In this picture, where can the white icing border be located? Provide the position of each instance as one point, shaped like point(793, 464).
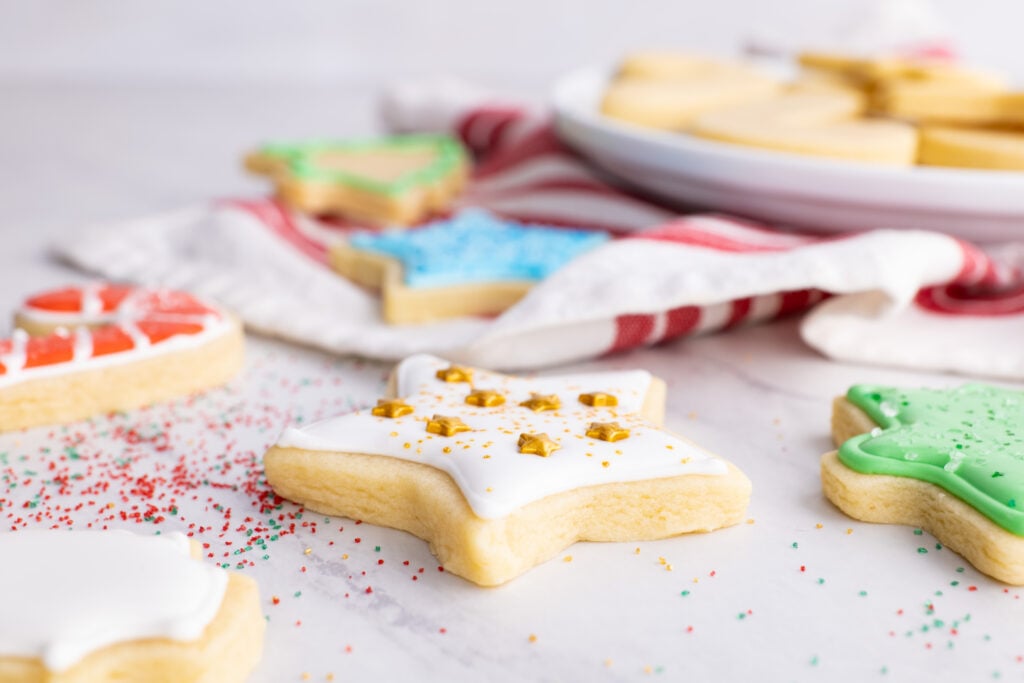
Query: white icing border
point(497, 486)
point(67, 594)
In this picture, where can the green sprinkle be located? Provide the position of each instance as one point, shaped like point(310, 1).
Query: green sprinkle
point(821, 581)
point(376, 548)
point(863, 594)
point(922, 550)
point(814, 660)
point(298, 594)
point(685, 593)
point(918, 532)
point(795, 545)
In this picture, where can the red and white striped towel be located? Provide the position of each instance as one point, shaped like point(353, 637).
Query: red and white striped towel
point(909, 298)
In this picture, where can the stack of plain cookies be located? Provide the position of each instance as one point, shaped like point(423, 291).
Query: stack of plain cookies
point(885, 110)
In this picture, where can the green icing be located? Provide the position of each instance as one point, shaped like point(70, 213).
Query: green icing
point(968, 440)
point(301, 158)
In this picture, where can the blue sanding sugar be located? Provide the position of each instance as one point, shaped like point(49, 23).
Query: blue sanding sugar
point(476, 246)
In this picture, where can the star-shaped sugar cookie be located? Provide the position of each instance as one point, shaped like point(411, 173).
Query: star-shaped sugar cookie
point(472, 263)
point(397, 180)
point(950, 461)
point(508, 487)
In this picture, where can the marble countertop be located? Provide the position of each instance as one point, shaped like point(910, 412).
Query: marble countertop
point(798, 592)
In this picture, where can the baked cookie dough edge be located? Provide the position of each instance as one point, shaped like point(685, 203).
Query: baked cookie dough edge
point(227, 652)
point(888, 499)
point(426, 502)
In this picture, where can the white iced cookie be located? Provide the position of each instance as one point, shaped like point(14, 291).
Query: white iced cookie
point(106, 606)
point(825, 124)
point(499, 473)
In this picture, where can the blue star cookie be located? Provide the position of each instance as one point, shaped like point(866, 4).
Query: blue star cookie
point(471, 264)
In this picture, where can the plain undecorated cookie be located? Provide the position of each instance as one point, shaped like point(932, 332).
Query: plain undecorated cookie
point(669, 90)
point(825, 123)
point(970, 148)
point(948, 103)
point(870, 72)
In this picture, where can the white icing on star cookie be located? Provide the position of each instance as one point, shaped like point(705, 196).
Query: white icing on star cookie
point(65, 595)
point(486, 464)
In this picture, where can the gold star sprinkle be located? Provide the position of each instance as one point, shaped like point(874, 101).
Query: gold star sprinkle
point(537, 444)
point(456, 373)
point(446, 426)
point(599, 399)
point(607, 431)
point(485, 398)
point(391, 407)
point(539, 402)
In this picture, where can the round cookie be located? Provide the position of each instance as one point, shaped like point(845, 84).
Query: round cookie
point(666, 65)
point(942, 102)
point(872, 71)
point(825, 123)
point(674, 104)
point(116, 607)
point(971, 148)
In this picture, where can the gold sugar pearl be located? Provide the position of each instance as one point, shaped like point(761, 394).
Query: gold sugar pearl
point(537, 444)
point(485, 398)
point(607, 431)
point(599, 399)
point(391, 407)
point(539, 402)
point(446, 426)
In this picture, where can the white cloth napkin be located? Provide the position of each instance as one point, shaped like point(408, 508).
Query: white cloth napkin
point(892, 292)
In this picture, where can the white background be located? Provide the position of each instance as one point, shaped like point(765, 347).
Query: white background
point(366, 42)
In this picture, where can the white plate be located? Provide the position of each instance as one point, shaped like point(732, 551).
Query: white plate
point(808, 192)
